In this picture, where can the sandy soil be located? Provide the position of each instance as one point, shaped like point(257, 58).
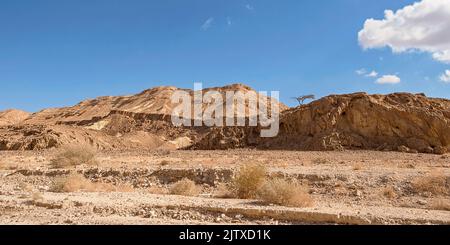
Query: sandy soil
point(348, 187)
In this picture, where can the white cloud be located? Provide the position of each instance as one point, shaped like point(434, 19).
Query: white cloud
point(361, 71)
point(249, 7)
point(423, 26)
point(229, 22)
point(372, 74)
point(445, 77)
point(388, 79)
point(207, 24)
point(364, 72)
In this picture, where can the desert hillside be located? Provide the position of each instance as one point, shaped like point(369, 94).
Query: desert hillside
point(399, 122)
point(10, 117)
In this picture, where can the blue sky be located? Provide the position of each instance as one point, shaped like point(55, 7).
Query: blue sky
point(58, 52)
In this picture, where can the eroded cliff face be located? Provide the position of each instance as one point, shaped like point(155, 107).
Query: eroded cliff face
point(401, 121)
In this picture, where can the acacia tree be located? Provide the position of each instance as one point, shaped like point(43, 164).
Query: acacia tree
point(301, 99)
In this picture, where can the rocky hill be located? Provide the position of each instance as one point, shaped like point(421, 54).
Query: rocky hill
point(400, 122)
point(11, 117)
point(136, 121)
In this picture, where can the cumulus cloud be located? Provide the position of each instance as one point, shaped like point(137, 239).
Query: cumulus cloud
point(423, 26)
point(207, 24)
point(388, 79)
point(445, 77)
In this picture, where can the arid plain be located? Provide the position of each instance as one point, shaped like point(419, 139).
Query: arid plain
point(343, 159)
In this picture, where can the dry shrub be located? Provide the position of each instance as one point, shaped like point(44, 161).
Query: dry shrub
point(162, 152)
point(77, 182)
point(157, 190)
point(74, 155)
point(319, 161)
point(441, 204)
point(248, 180)
point(185, 187)
point(223, 191)
point(434, 183)
point(5, 166)
point(37, 196)
point(389, 192)
point(357, 166)
point(286, 193)
point(406, 165)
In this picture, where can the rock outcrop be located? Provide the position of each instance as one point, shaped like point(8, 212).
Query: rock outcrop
point(398, 122)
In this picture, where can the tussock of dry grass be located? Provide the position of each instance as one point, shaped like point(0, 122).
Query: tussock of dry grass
point(26, 187)
point(286, 193)
point(319, 161)
point(441, 204)
point(185, 187)
point(77, 182)
point(434, 183)
point(357, 166)
point(74, 155)
point(248, 180)
point(5, 166)
point(157, 190)
point(389, 192)
point(37, 196)
point(223, 191)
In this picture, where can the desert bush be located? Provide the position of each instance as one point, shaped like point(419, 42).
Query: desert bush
point(77, 182)
point(389, 192)
point(223, 191)
point(441, 204)
point(37, 196)
point(248, 180)
point(319, 161)
point(74, 155)
point(157, 190)
point(25, 187)
point(185, 187)
point(286, 193)
point(5, 166)
point(434, 183)
point(162, 152)
point(357, 166)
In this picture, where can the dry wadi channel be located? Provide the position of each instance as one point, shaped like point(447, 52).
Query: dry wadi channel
point(202, 187)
